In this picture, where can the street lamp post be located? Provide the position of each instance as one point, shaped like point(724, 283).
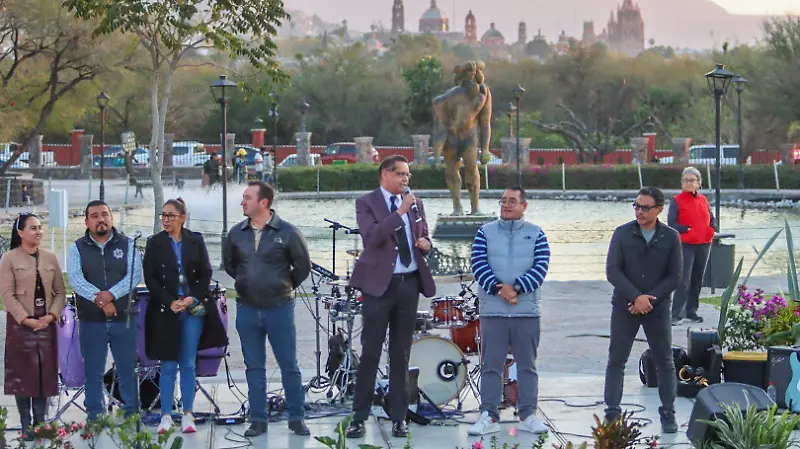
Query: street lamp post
point(740, 83)
point(719, 80)
point(102, 103)
point(518, 92)
point(218, 89)
point(273, 112)
point(511, 109)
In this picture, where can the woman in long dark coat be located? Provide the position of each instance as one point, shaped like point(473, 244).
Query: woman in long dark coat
point(32, 290)
point(181, 316)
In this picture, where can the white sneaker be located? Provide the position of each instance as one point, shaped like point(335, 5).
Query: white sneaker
point(532, 425)
point(485, 425)
point(165, 425)
point(187, 424)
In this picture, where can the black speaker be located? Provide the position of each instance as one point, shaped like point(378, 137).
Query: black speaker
point(708, 407)
point(783, 371)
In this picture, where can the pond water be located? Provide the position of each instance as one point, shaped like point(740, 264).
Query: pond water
point(578, 231)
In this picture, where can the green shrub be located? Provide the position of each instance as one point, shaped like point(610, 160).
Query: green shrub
point(579, 177)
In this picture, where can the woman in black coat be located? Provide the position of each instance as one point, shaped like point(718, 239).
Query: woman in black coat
point(181, 316)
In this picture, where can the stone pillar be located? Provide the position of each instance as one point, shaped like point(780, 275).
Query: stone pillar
point(169, 141)
point(75, 155)
point(257, 137)
point(230, 144)
point(421, 144)
point(638, 150)
point(364, 149)
point(680, 149)
point(510, 151)
point(86, 154)
point(650, 146)
point(35, 151)
point(303, 148)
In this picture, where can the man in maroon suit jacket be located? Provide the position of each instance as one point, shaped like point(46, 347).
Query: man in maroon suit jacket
point(391, 273)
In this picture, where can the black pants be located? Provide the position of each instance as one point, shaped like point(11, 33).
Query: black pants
point(658, 329)
point(687, 296)
point(397, 310)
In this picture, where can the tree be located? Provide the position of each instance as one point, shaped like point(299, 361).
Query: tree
point(45, 56)
point(171, 30)
point(425, 81)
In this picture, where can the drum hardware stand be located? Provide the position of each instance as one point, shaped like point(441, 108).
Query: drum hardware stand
point(319, 381)
point(345, 370)
point(136, 236)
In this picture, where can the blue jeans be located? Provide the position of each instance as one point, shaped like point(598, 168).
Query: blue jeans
point(96, 337)
point(255, 325)
point(191, 328)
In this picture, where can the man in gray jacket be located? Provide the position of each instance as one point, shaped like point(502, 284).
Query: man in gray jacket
point(644, 265)
point(268, 258)
point(510, 258)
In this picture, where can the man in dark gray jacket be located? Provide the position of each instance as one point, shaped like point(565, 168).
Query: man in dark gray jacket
point(644, 265)
point(268, 258)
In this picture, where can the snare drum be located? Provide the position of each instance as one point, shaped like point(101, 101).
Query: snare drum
point(70, 360)
point(208, 360)
point(447, 312)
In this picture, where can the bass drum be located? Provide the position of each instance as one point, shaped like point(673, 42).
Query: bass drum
point(442, 376)
point(70, 360)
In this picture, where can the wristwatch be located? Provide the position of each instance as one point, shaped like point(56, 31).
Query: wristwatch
point(517, 287)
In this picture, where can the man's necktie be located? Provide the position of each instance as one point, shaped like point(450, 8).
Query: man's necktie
point(402, 239)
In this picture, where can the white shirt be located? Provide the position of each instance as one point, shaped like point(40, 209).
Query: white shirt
point(259, 162)
point(398, 266)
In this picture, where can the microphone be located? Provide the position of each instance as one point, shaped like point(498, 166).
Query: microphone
point(406, 191)
point(137, 235)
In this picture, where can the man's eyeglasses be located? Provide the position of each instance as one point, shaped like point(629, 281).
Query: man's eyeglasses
point(168, 217)
point(511, 203)
point(403, 174)
point(643, 208)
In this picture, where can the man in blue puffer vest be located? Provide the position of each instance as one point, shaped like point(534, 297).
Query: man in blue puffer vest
point(510, 258)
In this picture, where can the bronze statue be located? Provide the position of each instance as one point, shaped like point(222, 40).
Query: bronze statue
point(458, 113)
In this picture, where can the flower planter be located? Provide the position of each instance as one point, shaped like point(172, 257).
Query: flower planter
point(745, 367)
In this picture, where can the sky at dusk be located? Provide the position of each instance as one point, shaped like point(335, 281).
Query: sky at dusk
point(759, 6)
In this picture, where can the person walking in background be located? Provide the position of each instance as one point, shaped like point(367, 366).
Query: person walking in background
point(690, 215)
point(181, 316)
point(269, 166)
point(102, 266)
point(259, 165)
point(268, 259)
point(33, 294)
point(240, 165)
point(644, 265)
point(211, 171)
point(510, 259)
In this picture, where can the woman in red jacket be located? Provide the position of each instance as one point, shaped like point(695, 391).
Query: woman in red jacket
point(690, 215)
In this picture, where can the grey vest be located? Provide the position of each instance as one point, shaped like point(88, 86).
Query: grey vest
point(510, 246)
point(103, 268)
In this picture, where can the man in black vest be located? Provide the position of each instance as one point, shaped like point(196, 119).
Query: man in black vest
point(99, 271)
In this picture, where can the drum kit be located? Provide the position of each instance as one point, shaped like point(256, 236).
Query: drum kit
point(446, 337)
point(70, 360)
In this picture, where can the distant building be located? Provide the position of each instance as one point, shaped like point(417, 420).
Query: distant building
point(625, 33)
point(433, 20)
point(589, 37)
point(470, 29)
point(492, 37)
point(522, 33)
point(538, 48)
point(398, 17)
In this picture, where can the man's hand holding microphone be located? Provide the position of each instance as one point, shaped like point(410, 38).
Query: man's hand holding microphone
point(410, 202)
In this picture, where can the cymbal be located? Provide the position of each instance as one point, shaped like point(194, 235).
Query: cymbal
point(455, 278)
point(354, 252)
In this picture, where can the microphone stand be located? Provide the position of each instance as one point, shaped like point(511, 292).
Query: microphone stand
point(335, 226)
point(135, 337)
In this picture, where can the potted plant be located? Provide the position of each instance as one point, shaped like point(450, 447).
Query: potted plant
point(753, 429)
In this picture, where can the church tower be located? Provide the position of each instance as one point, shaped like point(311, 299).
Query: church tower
point(398, 17)
point(470, 29)
point(522, 34)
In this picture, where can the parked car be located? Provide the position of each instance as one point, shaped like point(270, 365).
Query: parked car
point(291, 161)
point(707, 155)
point(188, 154)
point(115, 157)
point(344, 151)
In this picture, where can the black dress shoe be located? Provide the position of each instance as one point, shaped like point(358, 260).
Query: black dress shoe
point(299, 428)
point(256, 428)
point(356, 429)
point(399, 429)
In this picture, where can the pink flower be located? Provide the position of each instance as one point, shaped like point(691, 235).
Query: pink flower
point(513, 432)
point(47, 427)
point(477, 445)
point(62, 432)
